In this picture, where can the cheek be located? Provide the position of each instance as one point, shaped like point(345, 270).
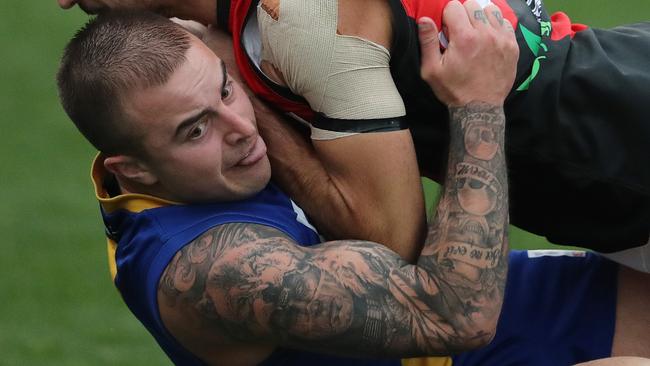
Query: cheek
point(243, 104)
point(198, 166)
point(245, 108)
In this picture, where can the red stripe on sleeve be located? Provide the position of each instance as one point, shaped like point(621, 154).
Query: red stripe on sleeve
point(563, 27)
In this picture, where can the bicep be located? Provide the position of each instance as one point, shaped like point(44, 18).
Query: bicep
point(378, 177)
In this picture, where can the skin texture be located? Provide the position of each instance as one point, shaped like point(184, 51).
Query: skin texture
point(247, 354)
point(240, 290)
point(632, 318)
point(250, 284)
point(220, 153)
point(349, 196)
point(369, 183)
point(618, 361)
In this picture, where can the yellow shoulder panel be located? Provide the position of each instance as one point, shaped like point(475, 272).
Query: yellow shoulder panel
point(427, 361)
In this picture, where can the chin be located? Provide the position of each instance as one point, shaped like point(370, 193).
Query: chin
point(254, 183)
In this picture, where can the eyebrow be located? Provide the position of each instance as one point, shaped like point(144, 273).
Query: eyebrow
point(191, 121)
point(224, 76)
point(197, 117)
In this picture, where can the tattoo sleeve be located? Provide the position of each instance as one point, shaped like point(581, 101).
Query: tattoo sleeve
point(467, 244)
point(251, 284)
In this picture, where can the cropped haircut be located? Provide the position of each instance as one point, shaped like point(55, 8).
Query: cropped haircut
point(114, 54)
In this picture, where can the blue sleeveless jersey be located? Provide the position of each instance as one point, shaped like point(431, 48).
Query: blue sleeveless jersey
point(148, 240)
point(145, 233)
point(548, 311)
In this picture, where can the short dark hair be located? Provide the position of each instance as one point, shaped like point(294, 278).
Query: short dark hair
point(113, 54)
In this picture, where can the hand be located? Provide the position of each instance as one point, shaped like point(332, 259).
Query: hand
point(480, 62)
point(203, 11)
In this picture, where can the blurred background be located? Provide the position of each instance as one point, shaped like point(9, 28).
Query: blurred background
point(57, 303)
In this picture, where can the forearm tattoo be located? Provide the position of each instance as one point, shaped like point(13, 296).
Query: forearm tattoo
point(467, 242)
point(252, 284)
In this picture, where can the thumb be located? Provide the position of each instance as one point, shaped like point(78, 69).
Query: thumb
point(429, 46)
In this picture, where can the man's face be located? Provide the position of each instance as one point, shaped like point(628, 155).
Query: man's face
point(200, 139)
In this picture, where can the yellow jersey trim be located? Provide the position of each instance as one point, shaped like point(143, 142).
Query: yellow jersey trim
point(131, 202)
point(427, 361)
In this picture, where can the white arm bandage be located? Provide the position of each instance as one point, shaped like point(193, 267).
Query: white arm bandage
point(343, 77)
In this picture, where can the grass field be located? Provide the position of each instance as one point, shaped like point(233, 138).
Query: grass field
point(57, 304)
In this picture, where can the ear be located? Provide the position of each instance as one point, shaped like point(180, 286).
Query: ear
point(130, 169)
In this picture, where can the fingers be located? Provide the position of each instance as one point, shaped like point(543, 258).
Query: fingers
point(494, 16)
point(429, 45)
point(455, 18)
point(496, 19)
point(477, 16)
point(504, 36)
point(481, 60)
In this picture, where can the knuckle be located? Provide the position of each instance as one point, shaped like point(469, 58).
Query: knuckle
point(491, 38)
point(470, 4)
point(508, 25)
point(491, 10)
point(468, 38)
point(515, 52)
point(428, 40)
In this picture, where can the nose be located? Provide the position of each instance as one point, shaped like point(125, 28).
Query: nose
point(239, 128)
point(66, 4)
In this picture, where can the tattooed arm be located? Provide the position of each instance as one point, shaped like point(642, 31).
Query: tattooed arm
point(249, 287)
point(250, 284)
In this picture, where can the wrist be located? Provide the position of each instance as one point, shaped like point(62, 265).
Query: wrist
point(477, 106)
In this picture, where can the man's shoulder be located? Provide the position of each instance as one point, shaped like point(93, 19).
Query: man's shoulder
point(147, 240)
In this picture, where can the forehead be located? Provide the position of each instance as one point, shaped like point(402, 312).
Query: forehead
point(199, 76)
point(192, 87)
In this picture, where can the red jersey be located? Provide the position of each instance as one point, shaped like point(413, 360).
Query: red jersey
point(578, 131)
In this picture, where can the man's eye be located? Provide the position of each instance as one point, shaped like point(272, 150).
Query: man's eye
point(227, 90)
point(197, 131)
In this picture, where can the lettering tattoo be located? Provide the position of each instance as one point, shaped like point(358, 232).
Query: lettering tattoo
point(498, 16)
point(471, 221)
point(252, 284)
point(480, 15)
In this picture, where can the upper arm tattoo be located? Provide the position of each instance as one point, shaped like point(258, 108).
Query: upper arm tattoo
point(250, 283)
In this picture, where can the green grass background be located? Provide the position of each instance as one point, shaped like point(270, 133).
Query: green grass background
point(57, 304)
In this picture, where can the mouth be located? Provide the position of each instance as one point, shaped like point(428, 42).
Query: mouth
point(254, 154)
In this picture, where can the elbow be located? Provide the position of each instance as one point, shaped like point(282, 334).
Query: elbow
point(465, 337)
point(456, 344)
point(483, 336)
point(477, 335)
